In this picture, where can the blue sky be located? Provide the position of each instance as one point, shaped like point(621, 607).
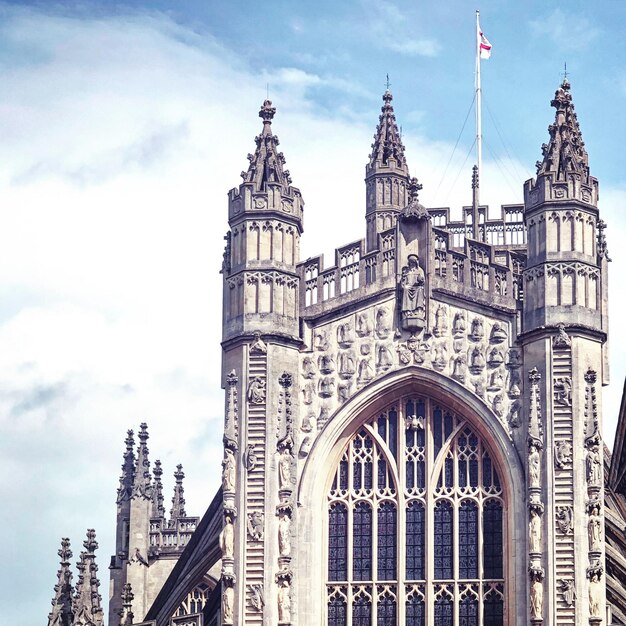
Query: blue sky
point(122, 126)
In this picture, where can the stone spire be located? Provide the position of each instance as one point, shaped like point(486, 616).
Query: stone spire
point(128, 470)
point(126, 613)
point(178, 501)
point(565, 152)
point(388, 149)
point(61, 614)
point(87, 609)
point(266, 164)
point(158, 510)
point(142, 484)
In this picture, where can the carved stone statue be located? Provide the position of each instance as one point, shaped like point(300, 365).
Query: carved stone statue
point(569, 592)
point(534, 466)
point(594, 475)
point(284, 602)
point(536, 598)
point(255, 525)
point(384, 357)
point(564, 519)
point(256, 391)
point(383, 326)
point(534, 531)
point(228, 471)
point(458, 325)
point(284, 536)
point(347, 363)
point(227, 538)
point(563, 452)
point(563, 391)
point(595, 596)
point(308, 367)
point(366, 373)
point(595, 529)
point(284, 470)
point(413, 301)
point(228, 600)
point(363, 325)
point(477, 361)
point(441, 321)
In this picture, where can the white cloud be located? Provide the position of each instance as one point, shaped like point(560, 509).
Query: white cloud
point(416, 47)
point(568, 31)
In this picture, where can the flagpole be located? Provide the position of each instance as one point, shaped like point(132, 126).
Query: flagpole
point(479, 136)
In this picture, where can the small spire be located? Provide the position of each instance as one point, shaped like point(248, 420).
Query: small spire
point(87, 599)
point(126, 612)
point(158, 510)
point(142, 485)
point(475, 190)
point(128, 470)
point(387, 140)
point(266, 164)
point(565, 152)
point(178, 501)
point(61, 614)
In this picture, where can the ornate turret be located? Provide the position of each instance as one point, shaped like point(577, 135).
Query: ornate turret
point(126, 612)
point(142, 484)
point(158, 510)
point(61, 614)
point(178, 501)
point(128, 470)
point(87, 609)
point(386, 175)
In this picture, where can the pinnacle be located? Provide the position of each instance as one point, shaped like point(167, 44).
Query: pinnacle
point(178, 501)
point(565, 152)
point(142, 484)
point(388, 144)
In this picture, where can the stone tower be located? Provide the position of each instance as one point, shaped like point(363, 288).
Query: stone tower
point(564, 339)
point(261, 297)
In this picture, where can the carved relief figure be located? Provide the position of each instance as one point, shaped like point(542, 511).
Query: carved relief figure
point(366, 373)
point(569, 592)
point(498, 333)
point(257, 600)
point(595, 529)
point(326, 364)
point(534, 531)
point(563, 391)
point(284, 536)
point(258, 345)
point(534, 466)
point(477, 361)
point(595, 596)
point(441, 321)
point(495, 357)
point(308, 393)
point(498, 404)
point(383, 326)
point(363, 325)
point(228, 471)
point(458, 325)
point(563, 517)
point(347, 363)
point(384, 357)
point(478, 330)
point(250, 459)
point(536, 598)
point(413, 302)
point(256, 391)
point(228, 600)
point(594, 475)
point(321, 340)
point(344, 334)
point(440, 356)
point(227, 538)
point(284, 470)
point(284, 602)
point(326, 387)
point(458, 367)
point(496, 381)
point(343, 391)
point(563, 454)
point(255, 525)
point(308, 367)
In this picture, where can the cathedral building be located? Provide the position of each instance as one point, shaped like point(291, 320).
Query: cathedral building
point(412, 436)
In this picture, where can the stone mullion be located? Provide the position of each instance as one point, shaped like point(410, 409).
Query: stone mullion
point(401, 573)
point(429, 501)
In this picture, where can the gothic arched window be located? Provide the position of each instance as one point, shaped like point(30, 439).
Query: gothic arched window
point(416, 521)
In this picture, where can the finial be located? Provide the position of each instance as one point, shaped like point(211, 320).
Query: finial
point(475, 182)
point(267, 112)
point(91, 545)
point(387, 84)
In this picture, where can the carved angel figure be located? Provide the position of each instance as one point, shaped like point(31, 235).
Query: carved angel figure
point(256, 391)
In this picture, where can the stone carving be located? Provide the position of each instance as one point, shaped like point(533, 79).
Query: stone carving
point(227, 538)
point(231, 417)
point(568, 591)
point(564, 519)
point(496, 381)
point(440, 356)
point(459, 366)
point(515, 380)
point(594, 467)
point(595, 596)
point(563, 454)
point(479, 387)
point(343, 391)
point(258, 345)
point(250, 458)
point(308, 367)
point(347, 363)
point(413, 350)
point(477, 360)
point(284, 534)
point(384, 356)
point(495, 358)
point(284, 602)
point(326, 386)
point(363, 325)
point(308, 393)
point(413, 422)
point(228, 470)
point(383, 325)
point(594, 529)
point(458, 343)
point(498, 333)
point(256, 525)
point(458, 325)
point(477, 331)
point(534, 466)
point(228, 601)
point(534, 531)
point(345, 336)
point(536, 592)
point(514, 418)
point(308, 423)
point(441, 321)
point(256, 391)
point(413, 300)
point(326, 364)
point(497, 404)
point(284, 470)
point(321, 340)
point(561, 340)
point(257, 600)
point(563, 391)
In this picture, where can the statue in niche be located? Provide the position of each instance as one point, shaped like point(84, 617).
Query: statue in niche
point(477, 361)
point(536, 598)
point(326, 364)
point(498, 333)
point(256, 391)
point(326, 387)
point(514, 358)
point(514, 414)
point(321, 340)
point(413, 300)
point(563, 391)
point(440, 356)
point(383, 326)
point(384, 358)
point(534, 466)
point(343, 391)
point(477, 332)
point(563, 452)
point(458, 367)
point(441, 321)
point(569, 592)
point(563, 517)
point(227, 538)
point(496, 381)
point(308, 367)
point(347, 364)
point(495, 357)
point(255, 525)
point(257, 600)
point(344, 334)
point(458, 325)
point(284, 602)
point(479, 387)
point(228, 601)
point(250, 458)
point(258, 345)
point(366, 373)
point(308, 393)
point(595, 596)
point(595, 529)
point(228, 471)
point(594, 468)
point(561, 340)
point(284, 534)
point(363, 325)
point(498, 404)
point(284, 470)
point(534, 531)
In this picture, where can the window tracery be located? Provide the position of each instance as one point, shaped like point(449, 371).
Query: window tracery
point(415, 529)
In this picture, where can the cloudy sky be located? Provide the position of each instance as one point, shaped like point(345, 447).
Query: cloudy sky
point(123, 125)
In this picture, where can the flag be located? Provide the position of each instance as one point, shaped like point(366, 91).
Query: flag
point(483, 45)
